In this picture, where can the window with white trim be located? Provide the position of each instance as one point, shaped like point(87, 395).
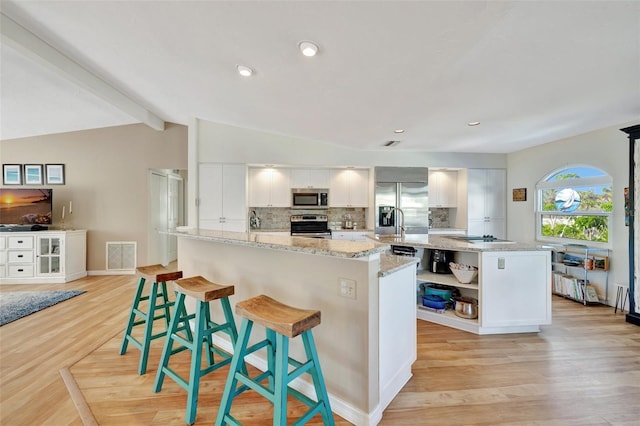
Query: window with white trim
point(574, 205)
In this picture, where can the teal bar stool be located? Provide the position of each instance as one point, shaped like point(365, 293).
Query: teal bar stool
point(158, 307)
point(203, 291)
point(282, 323)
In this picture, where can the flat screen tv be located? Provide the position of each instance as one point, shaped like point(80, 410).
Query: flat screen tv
point(22, 206)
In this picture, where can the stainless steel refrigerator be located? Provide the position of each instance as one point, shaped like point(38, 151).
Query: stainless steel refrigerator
point(407, 189)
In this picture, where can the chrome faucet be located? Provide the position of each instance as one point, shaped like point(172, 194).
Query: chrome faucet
point(402, 228)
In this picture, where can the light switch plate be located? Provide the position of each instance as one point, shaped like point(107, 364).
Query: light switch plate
point(501, 263)
point(347, 288)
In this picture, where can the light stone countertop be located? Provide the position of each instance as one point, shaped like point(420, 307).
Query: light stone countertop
point(326, 247)
point(390, 263)
point(442, 242)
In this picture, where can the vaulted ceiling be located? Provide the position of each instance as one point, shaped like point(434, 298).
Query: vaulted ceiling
point(529, 71)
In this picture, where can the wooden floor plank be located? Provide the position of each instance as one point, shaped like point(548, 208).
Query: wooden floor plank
point(582, 370)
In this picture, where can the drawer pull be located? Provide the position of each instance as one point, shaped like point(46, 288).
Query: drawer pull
point(20, 241)
point(21, 255)
point(20, 270)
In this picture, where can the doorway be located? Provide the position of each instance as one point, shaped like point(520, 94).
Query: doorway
point(166, 212)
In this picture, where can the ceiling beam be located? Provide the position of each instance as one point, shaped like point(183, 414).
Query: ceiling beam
point(30, 45)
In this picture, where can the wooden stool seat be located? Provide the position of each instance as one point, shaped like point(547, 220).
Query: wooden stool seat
point(201, 289)
point(157, 301)
point(157, 273)
point(282, 323)
point(277, 316)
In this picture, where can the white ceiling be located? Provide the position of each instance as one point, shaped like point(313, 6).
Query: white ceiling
point(530, 72)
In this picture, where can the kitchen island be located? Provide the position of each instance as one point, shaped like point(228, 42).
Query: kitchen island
point(367, 339)
point(513, 286)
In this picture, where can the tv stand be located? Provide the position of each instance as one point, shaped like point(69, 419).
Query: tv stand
point(45, 257)
point(23, 228)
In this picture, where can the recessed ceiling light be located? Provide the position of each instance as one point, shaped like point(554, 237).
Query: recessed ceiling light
point(308, 48)
point(398, 131)
point(473, 123)
point(245, 71)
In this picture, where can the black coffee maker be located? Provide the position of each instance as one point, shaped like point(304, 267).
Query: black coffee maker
point(439, 261)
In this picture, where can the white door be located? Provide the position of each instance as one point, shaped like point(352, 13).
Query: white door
point(158, 219)
point(173, 210)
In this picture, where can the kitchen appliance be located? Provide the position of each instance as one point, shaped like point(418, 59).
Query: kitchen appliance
point(403, 188)
point(347, 221)
point(466, 307)
point(482, 239)
point(309, 198)
point(439, 261)
point(310, 225)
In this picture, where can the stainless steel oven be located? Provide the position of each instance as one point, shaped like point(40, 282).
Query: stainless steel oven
point(310, 225)
point(309, 198)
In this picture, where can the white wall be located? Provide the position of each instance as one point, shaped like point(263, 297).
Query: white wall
point(606, 149)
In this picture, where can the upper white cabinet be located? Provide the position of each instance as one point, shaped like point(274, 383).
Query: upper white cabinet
point(269, 187)
point(310, 178)
point(222, 197)
point(486, 202)
point(443, 188)
point(349, 188)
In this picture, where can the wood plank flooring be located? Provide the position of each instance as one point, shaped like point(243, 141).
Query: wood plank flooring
point(582, 370)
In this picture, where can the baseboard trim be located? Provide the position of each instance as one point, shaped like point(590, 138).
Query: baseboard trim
point(113, 272)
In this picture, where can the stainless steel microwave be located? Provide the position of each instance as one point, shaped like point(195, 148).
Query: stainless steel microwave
point(308, 198)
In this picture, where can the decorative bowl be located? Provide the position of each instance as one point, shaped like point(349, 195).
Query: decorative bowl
point(463, 273)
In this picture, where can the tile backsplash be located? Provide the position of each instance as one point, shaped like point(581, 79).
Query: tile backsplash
point(278, 218)
point(440, 218)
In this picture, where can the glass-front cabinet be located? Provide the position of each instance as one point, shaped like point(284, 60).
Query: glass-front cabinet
point(49, 255)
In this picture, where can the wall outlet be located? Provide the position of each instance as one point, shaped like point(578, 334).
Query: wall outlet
point(347, 288)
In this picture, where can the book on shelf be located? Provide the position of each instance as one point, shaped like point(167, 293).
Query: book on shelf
point(592, 294)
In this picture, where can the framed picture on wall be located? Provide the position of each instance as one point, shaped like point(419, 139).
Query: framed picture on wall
point(12, 174)
point(55, 174)
point(33, 174)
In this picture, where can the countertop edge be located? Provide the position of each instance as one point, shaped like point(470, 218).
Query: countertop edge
point(390, 263)
point(335, 248)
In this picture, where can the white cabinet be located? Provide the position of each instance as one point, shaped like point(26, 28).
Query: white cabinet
point(486, 202)
point(513, 290)
point(443, 188)
point(222, 198)
point(349, 188)
point(310, 178)
point(269, 187)
point(350, 235)
point(43, 257)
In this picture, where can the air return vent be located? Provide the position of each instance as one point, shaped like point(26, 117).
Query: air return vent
point(121, 256)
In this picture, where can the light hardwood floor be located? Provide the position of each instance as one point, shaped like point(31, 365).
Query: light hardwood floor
point(582, 370)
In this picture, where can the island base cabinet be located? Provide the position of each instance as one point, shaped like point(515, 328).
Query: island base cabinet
point(511, 292)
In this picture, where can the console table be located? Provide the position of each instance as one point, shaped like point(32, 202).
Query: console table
point(43, 257)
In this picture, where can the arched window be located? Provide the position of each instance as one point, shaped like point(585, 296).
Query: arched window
point(574, 205)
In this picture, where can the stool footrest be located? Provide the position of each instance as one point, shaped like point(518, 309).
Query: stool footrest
point(253, 384)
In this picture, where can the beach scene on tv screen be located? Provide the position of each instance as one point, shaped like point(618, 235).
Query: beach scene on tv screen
point(25, 206)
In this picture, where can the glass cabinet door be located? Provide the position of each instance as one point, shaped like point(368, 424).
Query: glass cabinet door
point(49, 251)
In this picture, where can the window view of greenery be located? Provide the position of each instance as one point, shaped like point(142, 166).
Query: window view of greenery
point(576, 204)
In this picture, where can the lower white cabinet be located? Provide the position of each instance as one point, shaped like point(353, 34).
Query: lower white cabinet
point(350, 235)
point(43, 257)
point(513, 289)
